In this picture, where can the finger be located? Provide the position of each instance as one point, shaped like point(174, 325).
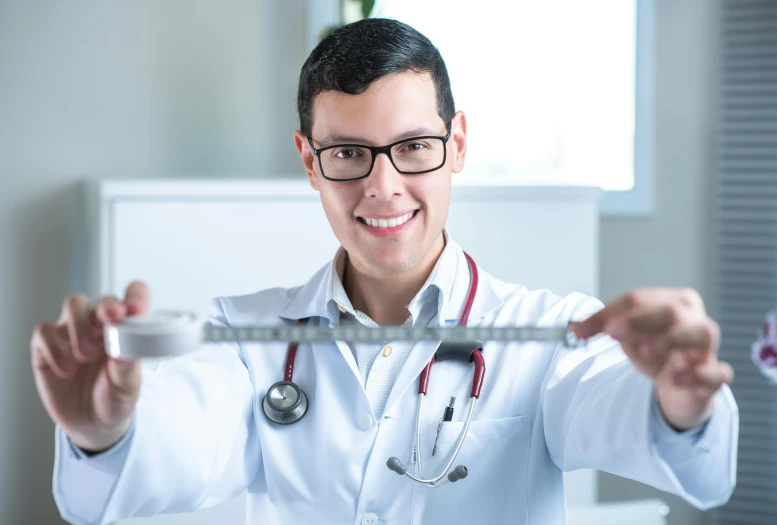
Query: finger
point(703, 334)
point(705, 391)
point(76, 320)
point(125, 376)
point(711, 375)
point(51, 351)
point(649, 320)
point(137, 298)
point(691, 298)
point(655, 360)
point(687, 345)
point(636, 299)
point(648, 358)
point(110, 310)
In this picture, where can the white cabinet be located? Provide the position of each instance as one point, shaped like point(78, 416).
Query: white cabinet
point(193, 240)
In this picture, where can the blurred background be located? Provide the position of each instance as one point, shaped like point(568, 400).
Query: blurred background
point(681, 95)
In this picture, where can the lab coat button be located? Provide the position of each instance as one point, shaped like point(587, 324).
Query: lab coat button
point(370, 519)
point(365, 422)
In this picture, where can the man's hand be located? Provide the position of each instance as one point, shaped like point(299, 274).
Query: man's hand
point(669, 337)
point(89, 394)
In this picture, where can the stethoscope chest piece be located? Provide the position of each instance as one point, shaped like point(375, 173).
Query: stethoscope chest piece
point(285, 403)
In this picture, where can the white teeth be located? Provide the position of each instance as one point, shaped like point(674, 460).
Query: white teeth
point(389, 223)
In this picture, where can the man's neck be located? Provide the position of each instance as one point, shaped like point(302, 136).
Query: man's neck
point(385, 298)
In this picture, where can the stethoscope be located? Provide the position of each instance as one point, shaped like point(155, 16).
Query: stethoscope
point(285, 402)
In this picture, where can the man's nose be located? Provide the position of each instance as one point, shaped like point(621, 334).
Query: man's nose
point(385, 182)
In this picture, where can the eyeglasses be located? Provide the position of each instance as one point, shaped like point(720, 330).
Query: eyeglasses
point(347, 162)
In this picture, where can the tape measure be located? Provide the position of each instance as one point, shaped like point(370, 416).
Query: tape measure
point(173, 333)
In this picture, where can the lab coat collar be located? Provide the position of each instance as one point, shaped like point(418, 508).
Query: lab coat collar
point(486, 298)
point(311, 299)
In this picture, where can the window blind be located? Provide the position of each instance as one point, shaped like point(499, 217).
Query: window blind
point(746, 242)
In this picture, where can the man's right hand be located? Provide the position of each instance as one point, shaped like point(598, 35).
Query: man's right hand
point(89, 394)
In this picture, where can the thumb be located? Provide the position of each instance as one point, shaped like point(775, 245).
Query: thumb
point(124, 376)
point(591, 326)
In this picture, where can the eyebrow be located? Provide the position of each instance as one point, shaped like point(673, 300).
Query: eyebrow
point(331, 140)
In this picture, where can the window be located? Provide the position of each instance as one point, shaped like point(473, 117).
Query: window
point(550, 90)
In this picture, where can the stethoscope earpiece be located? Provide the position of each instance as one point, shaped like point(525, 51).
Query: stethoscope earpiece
point(458, 473)
point(396, 465)
point(285, 403)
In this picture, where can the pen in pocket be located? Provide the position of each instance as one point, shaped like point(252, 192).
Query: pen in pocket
point(447, 416)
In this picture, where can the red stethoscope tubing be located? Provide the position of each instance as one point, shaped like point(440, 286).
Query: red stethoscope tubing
point(477, 356)
point(423, 383)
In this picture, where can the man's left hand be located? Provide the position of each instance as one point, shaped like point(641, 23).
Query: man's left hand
point(669, 337)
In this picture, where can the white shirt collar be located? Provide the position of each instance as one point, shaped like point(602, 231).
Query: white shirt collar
point(436, 288)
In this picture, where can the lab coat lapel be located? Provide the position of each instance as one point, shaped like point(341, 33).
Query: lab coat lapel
point(310, 302)
point(419, 357)
point(350, 361)
point(486, 301)
point(309, 299)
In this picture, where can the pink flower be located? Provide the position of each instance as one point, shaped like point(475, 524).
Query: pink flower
point(768, 355)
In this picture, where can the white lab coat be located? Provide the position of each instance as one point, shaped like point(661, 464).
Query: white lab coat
point(199, 436)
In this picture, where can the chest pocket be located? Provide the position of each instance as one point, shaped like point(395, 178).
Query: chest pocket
point(495, 453)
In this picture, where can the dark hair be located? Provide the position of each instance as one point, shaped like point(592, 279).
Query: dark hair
point(354, 56)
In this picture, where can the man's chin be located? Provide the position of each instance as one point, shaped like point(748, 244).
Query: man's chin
point(391, 262)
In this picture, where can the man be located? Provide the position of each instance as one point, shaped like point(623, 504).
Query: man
point(646, 399)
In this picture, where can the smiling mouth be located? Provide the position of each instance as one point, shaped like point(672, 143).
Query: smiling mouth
point(388, 223)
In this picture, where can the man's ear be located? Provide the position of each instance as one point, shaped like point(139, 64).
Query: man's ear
point(308, 158)
point(459, 141)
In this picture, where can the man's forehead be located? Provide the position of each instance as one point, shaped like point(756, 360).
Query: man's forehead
point(393, 107)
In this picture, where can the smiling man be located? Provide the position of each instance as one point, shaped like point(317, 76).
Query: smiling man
point(388, 211)
point(380, 141)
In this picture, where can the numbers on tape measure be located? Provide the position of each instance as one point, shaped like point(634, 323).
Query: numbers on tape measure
point(305, 334)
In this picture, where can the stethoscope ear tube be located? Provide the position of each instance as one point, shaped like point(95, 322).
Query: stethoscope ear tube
point(465, 352)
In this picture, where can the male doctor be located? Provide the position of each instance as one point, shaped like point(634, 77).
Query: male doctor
point(646, 399)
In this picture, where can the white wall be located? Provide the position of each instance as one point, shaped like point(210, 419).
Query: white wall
point(145, 88)
point(674, 246)
point(117, 89)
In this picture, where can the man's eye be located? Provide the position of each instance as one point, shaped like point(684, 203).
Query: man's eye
point(415, 146)
point(346, 154)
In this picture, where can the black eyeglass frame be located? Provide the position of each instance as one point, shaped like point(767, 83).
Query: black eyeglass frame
point(377, 150)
